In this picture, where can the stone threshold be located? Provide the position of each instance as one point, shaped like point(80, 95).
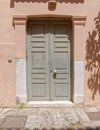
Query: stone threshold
point(49, 104)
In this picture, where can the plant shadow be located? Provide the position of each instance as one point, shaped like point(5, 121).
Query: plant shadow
point(93, 58)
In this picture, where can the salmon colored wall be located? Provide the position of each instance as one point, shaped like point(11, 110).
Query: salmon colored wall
point(7, 52)
point(92, 89)
point(7, 74)
point(9, 49)
point(63, 8)
point(6, 28)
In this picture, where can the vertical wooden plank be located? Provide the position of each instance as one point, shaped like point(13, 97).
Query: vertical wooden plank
point(60, 54)
point(37, 50)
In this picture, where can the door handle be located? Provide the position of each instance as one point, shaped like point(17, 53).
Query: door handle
point(54, 74)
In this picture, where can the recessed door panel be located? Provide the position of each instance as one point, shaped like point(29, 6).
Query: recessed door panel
point(60, 61)
point(37, 61)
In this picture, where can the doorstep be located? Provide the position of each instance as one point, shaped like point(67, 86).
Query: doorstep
point(49, 104)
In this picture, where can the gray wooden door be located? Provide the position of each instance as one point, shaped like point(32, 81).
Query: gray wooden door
point(48, 60)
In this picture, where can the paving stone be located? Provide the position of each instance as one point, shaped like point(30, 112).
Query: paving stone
point(1, 110)
point(28, 112)
point(90, 109)
point(8, 112)
point(50, 119)
point(14, 122)
point(98, 108)
point(55, 126)
point(46, 121)
point(47, 112)
point(46, 126)
point(94, 115)
point(63, 112)
point(74, 120)
point(81, 114)
point(31, 122)
point(1, 120)
point(43, 125)
point(47, 117)
point(63, 123)
point(92, 124)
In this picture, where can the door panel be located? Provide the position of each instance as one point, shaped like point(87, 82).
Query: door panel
point(37, 48)
point(48, 60)
point(60, 84)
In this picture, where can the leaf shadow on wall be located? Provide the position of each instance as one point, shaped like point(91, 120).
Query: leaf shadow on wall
point(93, 58)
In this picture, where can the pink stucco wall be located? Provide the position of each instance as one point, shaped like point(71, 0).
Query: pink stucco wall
point(92, 92)
point(7, 74)
point(9, 50)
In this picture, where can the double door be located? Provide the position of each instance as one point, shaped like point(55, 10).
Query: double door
point(48, 60)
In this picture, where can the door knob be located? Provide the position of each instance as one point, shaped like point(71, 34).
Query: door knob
point(54, 74)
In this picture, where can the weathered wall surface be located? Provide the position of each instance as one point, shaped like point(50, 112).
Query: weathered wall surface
point(64, 7)
point(7, 55)
point(6, 28)
point(9, 51)
point(7, 74)
point(92, 50)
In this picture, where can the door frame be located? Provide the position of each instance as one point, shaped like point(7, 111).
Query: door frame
point(20, 25)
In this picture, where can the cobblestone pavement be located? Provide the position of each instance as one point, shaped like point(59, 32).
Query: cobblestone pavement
point(50, 117)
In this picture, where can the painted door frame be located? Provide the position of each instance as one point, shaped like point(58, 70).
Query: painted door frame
point(78, 22)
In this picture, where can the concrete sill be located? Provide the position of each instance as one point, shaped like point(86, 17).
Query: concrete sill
point(49, 104)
